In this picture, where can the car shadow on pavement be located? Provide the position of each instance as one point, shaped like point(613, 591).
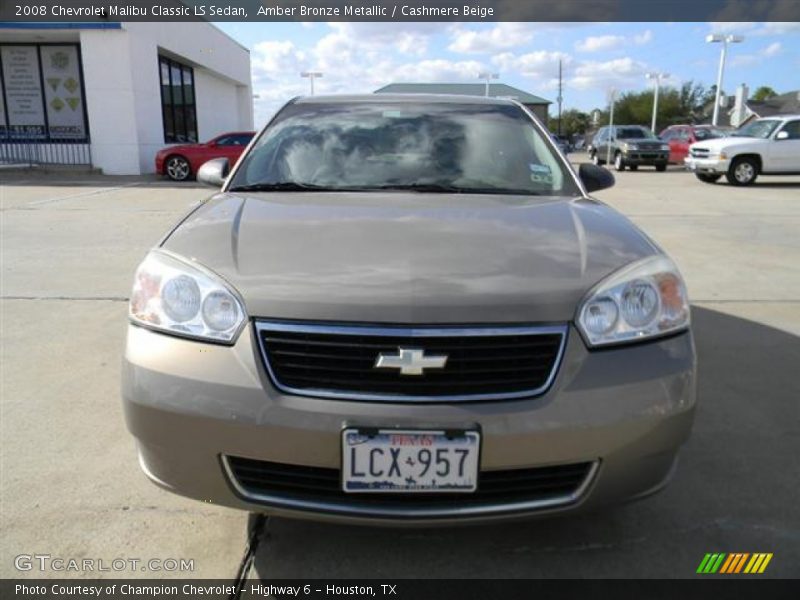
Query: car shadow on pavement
point(733, 492)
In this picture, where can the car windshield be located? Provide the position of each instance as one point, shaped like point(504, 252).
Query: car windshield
point(634, 133)
point(757, 129)
point(434, 147)
point(707, 133)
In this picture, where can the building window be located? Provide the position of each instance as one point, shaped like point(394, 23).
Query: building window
point(41, 93)
point(177, 101)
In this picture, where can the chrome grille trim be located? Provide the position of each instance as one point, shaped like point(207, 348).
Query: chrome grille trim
point(409, 331)
point(350, 506)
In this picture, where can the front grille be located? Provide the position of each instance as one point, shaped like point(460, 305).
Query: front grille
point(649, 145)
point(482, 363)
point(699, 152)
point(298, 486)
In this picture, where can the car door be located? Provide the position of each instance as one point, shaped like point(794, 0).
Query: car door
point(668, 136)
point(784, 149)
point(679, 149)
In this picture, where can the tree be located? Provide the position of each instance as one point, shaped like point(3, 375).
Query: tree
point(682, 105)
point(572, 121)
point(764, 93)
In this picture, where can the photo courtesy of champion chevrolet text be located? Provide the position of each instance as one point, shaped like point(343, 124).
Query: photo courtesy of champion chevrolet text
point(399, 299)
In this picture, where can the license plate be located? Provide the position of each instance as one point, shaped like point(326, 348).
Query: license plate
point(390, 460)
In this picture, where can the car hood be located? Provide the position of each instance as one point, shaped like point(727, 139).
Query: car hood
point(401, 257)
point(640, 140)
point(728, 143)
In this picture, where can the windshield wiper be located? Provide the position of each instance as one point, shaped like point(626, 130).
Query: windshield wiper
point(282, 186)
point(442, 188)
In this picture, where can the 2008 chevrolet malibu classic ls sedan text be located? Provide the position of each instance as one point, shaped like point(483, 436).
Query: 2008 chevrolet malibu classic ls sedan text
point(407, 309)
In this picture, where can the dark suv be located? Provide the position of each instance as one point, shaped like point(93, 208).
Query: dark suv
point(629, 146)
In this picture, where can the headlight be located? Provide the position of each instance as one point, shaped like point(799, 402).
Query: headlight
point(643, 300)
point(665, 146)
point(631, 146)
point(175, 297)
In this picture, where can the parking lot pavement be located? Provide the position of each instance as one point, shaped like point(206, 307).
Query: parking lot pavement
point(71, 485)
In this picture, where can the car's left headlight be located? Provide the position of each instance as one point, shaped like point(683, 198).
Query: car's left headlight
point(665, 146)
point(643, 300)
point(631, 146)
point(176, 297)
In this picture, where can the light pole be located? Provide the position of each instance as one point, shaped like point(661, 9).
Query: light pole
point(311, 75)
point(657, 77)
point(612, 97)
point(488, 77)
point(724, 40)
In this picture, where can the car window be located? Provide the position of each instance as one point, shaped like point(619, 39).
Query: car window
point(793, 129)
point(365, 145)
point(242, 139)
point(635, 133)
point(706, 133)
point(667, 134)
point(762, 128)
point(223, 140)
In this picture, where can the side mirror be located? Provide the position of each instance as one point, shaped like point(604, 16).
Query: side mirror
point(214, 172)
point(593, 177)
point(782, 135)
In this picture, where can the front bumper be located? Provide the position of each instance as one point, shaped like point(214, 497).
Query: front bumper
point(645, 157)
point(714, 166)
point(189, 404)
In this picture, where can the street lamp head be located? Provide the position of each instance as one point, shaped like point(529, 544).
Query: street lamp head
point(488, 75)
point(310, 74)
point(730, 39)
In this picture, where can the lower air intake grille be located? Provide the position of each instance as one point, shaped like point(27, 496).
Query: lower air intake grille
point(315, 487)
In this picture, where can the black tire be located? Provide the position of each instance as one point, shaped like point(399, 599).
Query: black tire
point(619, 162)
point(633, 167)
point(705, 178)
point(743, 171)
point(661, 167)
point(177, 168)
point(596, 158)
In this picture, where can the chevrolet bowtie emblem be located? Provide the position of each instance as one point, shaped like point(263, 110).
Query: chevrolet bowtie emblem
point(410, 361)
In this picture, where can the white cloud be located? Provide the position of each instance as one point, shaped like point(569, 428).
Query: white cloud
point(618, 73)
point(539, 64)
point(487, 41)
point(597, 43)
point(770, 51)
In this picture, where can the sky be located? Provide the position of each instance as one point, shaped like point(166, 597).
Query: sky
point(596, 57)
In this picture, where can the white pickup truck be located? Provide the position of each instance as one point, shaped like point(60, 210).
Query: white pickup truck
point(769, 146)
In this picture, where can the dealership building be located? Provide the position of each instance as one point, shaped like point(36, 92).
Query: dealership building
point(110, 95)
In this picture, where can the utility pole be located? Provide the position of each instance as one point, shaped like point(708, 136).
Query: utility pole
point(311, 75)
point(560, 95)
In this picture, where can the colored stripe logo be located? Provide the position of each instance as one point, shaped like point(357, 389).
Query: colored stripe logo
point(734, 563)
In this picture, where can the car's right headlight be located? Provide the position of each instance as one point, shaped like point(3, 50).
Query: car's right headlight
point(643, 300)
point(174, 296)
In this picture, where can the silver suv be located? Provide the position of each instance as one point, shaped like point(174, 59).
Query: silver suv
point(629, 146)
point(407, 309)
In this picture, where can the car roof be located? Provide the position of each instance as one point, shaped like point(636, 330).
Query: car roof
point(774, 117)
point(403, 99)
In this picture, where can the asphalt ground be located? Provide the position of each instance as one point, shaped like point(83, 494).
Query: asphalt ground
point(70, 484)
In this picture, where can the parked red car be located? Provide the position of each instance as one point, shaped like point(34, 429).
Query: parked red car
point(680, 137)
point(181, 162)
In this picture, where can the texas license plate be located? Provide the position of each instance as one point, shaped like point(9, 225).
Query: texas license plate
point(390, 460)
